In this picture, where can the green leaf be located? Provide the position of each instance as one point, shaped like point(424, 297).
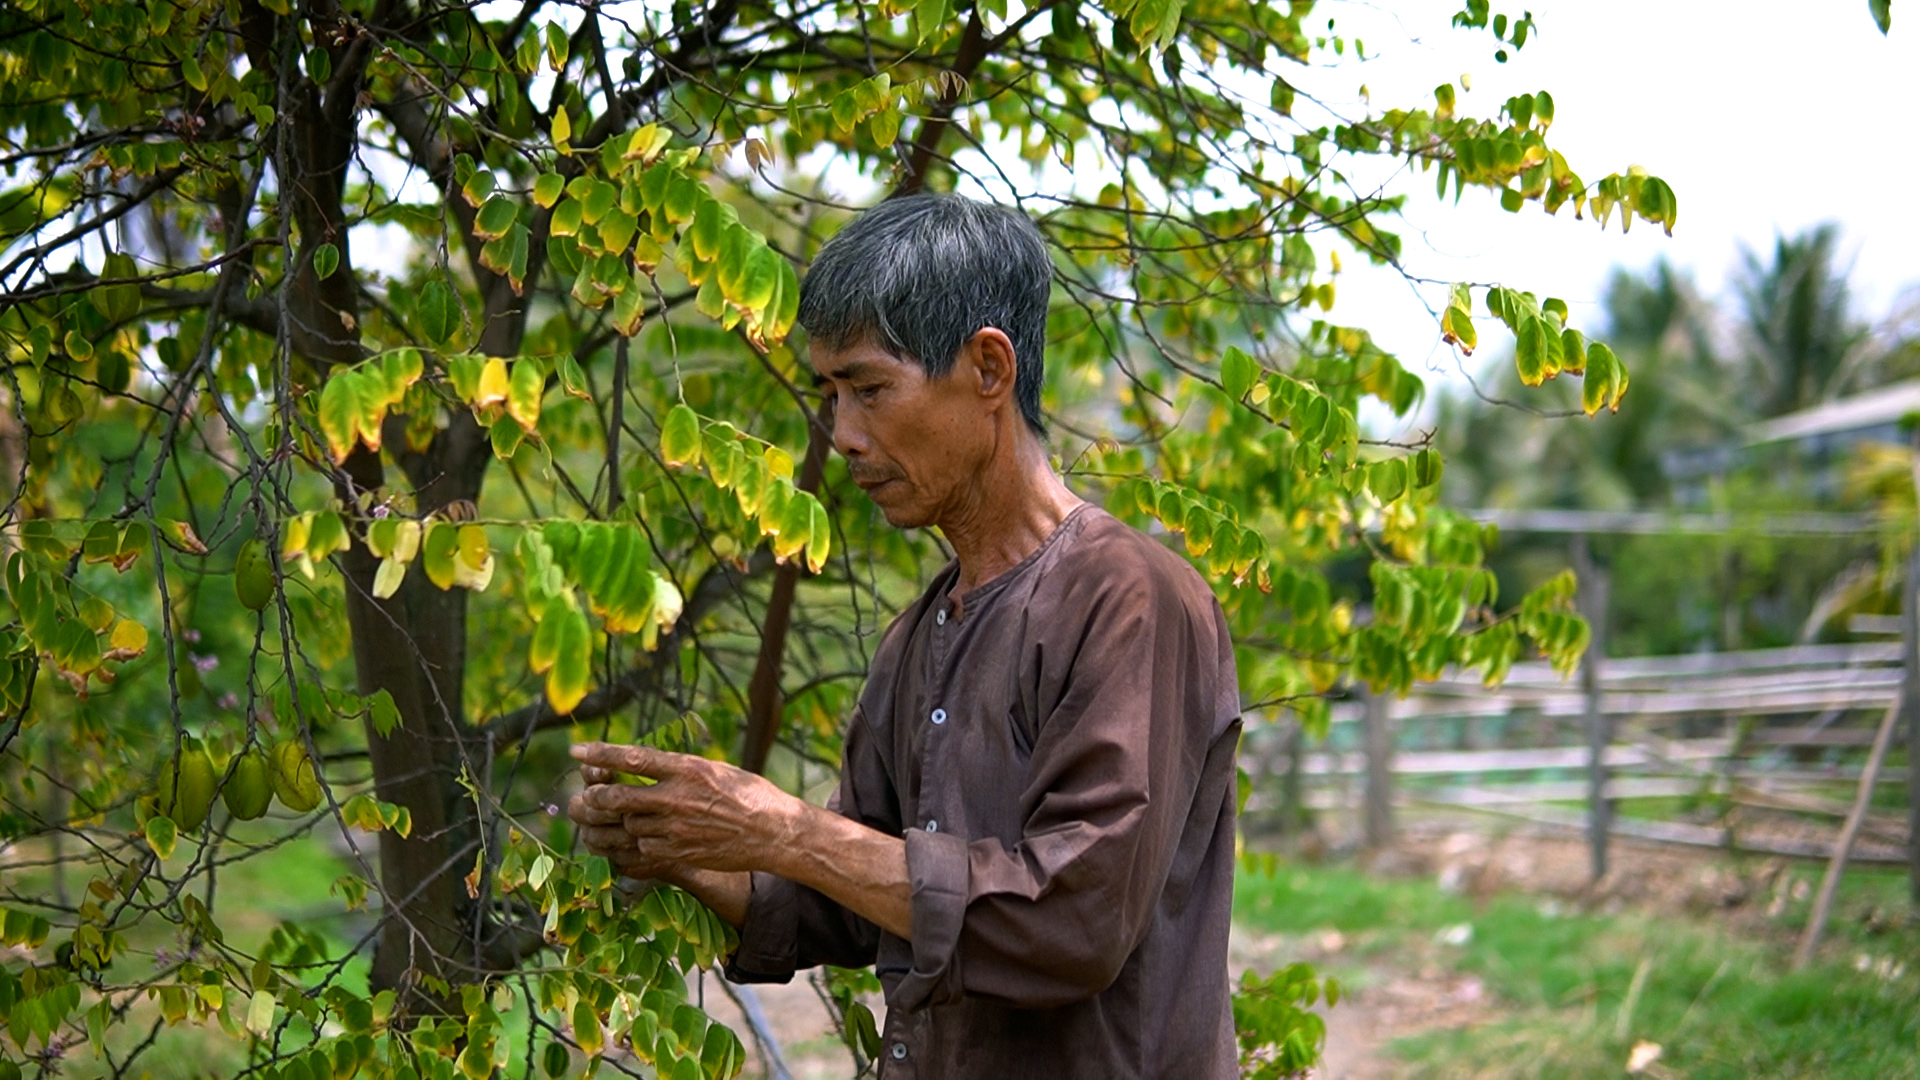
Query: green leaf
point(548, 188)
point(506, 434)
point(1427, 467)
point(1388, 479)
point(162, 835)
point(600, 198)
point(1238, 372)
point(573, 381)
point(928, 15)
point(1155, 22)
point(1606, 380)
point(477, 187)
point(1456, 328)
point(630, 307)
point(439, 311)
point(384, 714)
point(1530, 353)
point(793, 522)
point(760, 279)
point(545, 647)
point(1882, 14)
point(680, 437)
point(326, 259)
point(118, 302)
point(1573, 351)
point(819, 537)
point(572, 670)
point(496, 216)
point(507, 255)
point(1282, 95)
point(437, 553)
point(616, 231)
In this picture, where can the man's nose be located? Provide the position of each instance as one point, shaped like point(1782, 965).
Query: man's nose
point(849, 435)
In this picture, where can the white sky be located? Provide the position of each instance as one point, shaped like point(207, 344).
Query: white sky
point(1766, 116)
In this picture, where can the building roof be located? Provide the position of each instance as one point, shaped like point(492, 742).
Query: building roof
point(1876, 408)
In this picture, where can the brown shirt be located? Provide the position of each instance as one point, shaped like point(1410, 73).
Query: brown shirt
point(1060, 757)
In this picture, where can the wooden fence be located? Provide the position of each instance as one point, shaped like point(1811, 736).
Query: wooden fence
point(1778, 736)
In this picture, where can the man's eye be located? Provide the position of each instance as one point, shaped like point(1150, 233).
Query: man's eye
point(867, 393)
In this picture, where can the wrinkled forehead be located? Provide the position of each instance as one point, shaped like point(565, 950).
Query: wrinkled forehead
point(863, 359)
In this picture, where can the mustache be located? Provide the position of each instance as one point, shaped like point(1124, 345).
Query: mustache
point(868, 475)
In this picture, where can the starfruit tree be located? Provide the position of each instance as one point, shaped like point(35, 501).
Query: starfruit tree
point(396, 389)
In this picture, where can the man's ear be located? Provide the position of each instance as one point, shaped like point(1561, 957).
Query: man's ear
point(990, 353)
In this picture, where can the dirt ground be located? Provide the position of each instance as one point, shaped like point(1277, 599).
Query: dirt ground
point(1410, 995)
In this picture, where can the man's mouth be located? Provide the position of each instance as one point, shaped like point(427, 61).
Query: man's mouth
point(871, 483)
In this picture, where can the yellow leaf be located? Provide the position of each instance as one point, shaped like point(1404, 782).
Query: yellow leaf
point(129, 637)
point(494, 383)
point(340, 415)
point(386, 580)
point(260, 1013)
point(524, 391)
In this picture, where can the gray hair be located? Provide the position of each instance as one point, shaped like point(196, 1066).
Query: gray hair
point(919, 275)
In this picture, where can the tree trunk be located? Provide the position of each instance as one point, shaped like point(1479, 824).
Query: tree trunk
point(413, 644)
point(421, 928)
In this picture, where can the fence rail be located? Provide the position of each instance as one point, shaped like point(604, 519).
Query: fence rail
point(1775, 732)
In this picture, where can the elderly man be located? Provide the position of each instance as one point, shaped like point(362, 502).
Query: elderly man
point(1033, 836)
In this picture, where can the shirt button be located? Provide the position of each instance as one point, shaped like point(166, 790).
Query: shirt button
point(899, 1051)
point(940, 617)
point(939, 716)
point(932, 825)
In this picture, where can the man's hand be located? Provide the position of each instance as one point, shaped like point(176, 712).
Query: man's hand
point(702, 814)
point(704, 824)
point(605, 834)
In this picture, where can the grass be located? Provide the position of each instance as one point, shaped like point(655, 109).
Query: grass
point(1565, 983)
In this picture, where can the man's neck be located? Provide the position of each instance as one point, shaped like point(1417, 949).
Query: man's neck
point(1020, 502)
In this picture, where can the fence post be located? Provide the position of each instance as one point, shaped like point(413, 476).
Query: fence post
point(1379, 794)
point(1910, 711)
point(1593, 604)
point(1910, 690)
point(1293, 818)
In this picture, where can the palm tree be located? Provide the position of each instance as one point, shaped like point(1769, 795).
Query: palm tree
point(1802, 344)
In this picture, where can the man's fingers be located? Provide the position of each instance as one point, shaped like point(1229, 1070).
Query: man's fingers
point(606, 838)
point(585, 813)
point(632, 760)
point(618, 799)
point(594, 774)
point(644, 826)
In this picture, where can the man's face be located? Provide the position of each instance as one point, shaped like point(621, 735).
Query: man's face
point(916, 445)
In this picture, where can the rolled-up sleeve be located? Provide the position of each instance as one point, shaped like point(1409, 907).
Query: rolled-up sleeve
point(1131, 707)
point(790, 927)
